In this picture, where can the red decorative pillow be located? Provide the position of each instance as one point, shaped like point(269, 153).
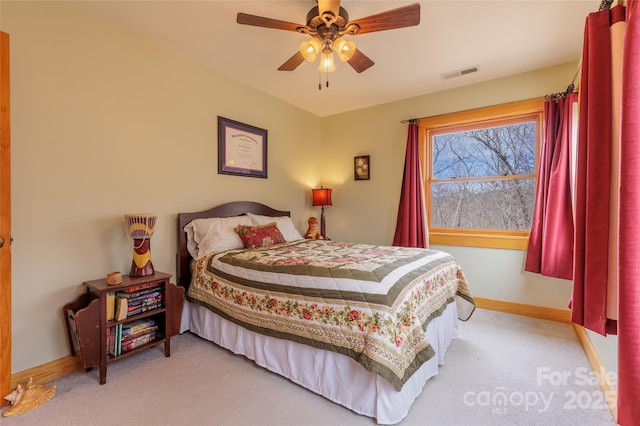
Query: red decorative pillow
point(258, 236)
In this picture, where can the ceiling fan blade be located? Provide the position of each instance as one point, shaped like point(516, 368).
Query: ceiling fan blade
point(401, 17)
point(292, 63)
point(360, 62)
point(260, 21)
point(332, 6)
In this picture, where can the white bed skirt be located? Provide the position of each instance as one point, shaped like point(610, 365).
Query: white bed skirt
point(343, 380)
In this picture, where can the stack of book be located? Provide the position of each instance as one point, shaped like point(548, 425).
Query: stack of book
point(125, 337)
point(136, 300)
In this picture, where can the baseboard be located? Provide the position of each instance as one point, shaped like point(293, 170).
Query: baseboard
point(48, 372)
point(608, 389)
point(561, 315)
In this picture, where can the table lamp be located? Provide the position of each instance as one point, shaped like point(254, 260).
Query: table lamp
point(322, 197)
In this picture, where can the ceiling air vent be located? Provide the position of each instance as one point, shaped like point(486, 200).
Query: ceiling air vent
point(460, 73)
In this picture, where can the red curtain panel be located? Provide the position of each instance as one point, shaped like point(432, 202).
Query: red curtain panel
point(593, 176)
point(411, 228)
point(550, 250)
point(629, 238)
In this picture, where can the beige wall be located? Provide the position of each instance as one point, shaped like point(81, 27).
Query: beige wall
point(105, 123)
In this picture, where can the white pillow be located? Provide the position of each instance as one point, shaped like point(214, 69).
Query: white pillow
point(284, 224)
point(215, 234)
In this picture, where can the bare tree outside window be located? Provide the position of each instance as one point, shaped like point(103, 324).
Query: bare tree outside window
point(484, 178)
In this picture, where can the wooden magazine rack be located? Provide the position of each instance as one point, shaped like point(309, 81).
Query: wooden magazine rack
point(82, 317)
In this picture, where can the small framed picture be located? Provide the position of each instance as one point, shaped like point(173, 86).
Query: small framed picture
point(361, 167)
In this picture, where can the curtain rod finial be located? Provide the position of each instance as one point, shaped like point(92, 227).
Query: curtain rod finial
point(605, 4)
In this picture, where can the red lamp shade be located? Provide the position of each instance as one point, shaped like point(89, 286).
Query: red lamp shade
point(321, 197)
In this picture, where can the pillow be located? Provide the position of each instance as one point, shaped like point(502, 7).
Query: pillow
point(284, 223)
point(258, 236)
point(214, 234)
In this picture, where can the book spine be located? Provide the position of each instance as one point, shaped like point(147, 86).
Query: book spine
point(142, 287)
point(121, 308)
point(143, 340)
point(145, 296)
point(108, 339)
point(148, 330)
point(136, 326)
point(138, 294)
point(146, 301)
point(140, 324)
point(118, 339)
point(140, 309)
point(111, 304)
point(138, 339)
point(112, 340)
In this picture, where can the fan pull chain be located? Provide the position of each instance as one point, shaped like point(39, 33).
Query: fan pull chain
point(320, 80)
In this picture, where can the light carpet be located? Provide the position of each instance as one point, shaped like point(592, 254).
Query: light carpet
point(501, 370)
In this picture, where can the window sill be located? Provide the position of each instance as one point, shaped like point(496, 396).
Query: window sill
point(511, 242)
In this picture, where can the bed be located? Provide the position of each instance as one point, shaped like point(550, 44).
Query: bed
point(364, 326)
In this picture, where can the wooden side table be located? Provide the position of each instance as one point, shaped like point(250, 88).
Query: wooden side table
point(84, 323)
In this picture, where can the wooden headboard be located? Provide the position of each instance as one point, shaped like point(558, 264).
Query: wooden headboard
point(235, 208)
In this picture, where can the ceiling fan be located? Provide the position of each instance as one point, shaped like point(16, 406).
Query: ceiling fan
point(327, 23)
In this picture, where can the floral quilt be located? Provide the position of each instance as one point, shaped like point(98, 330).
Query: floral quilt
point(371, 303)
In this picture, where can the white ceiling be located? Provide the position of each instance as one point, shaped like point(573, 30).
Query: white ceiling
point(501, 37)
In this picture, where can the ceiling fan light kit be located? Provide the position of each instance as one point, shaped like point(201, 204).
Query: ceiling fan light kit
point(310, 49)
point(344, 48)
point(326, 62)
point(327, 23)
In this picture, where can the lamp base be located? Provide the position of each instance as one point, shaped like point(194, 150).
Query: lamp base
point(141, 265)
point(323, 227)
point(141, 272)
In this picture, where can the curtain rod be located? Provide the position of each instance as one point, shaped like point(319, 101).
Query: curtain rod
point(570, 87)
point(604, 5)
point(409, 120)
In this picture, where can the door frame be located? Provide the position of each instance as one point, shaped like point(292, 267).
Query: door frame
point(5, 221)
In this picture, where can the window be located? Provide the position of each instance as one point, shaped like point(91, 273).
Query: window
point(480, 174)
